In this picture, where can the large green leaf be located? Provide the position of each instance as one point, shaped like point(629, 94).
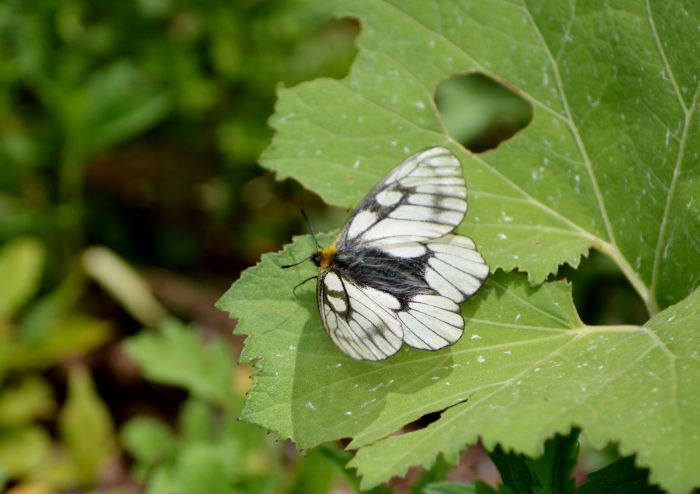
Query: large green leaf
point(626, 383)
point(608, 160)
point(526, 367)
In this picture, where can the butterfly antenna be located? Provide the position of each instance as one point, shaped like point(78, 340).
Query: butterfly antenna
point(296, 263)
point(313, 235)
point(294, 290)
point(311, 228)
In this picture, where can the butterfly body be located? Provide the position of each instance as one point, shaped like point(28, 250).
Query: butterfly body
point(402, 278)
point(395, 273)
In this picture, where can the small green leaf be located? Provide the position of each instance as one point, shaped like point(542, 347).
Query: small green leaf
point(197, 422)
point(148, 440)
point(69, 336)
point(179, 357)
point(86, 426)
point(208, 468)
point(315, 474)
point(21, 264)
point(620, 476)
point(124, 284)
point(450, 488)
point(41, 317)
point(551, 472)
point(25, 402)
point(205, 468)
point(117, 102)
point(22, 450)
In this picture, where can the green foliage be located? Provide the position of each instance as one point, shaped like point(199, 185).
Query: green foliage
point(137, 124)
point(86, 427)
point(21, 263)
point(604, 164)
point(549, 473)
point(316, 474)
point(451, 488)
point(82, 82)
point(211, 451)
point(620, 476)
point(36, 336)
point(124, 284)
point(22, 450)
point(552, 473)
point(168, 358)
point(23, 403)
point(95, 101)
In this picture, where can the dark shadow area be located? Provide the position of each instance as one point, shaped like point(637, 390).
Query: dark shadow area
point(479, 112)
point(347, 398)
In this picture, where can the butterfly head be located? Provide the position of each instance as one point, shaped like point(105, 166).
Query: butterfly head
point(323, 257)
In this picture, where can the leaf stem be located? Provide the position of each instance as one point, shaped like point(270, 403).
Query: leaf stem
point(615, 328)
point(632, 276)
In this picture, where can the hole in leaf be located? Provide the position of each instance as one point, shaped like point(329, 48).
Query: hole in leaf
point(602, 295)
point(479, 112)
point(328, 51)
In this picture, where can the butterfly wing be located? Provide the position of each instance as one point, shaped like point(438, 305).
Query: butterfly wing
point(358, 319)
point(421, 199)
point(453, 270)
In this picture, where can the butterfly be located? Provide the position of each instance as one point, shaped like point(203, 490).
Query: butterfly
point(395, 273)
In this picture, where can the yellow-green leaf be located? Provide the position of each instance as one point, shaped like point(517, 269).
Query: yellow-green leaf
point(86, 426)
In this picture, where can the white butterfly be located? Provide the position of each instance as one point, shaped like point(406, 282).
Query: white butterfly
point(395, 274)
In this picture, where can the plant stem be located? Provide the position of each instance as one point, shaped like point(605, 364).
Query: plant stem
point(632, 276)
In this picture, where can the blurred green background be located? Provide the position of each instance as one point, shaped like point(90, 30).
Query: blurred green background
point(130, 199)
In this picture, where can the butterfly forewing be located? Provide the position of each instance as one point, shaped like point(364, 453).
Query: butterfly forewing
point(397, 274)
point(421, 199)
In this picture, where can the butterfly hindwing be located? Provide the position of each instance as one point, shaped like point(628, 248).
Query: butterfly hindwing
point(454, 267)
point(431, 322)
point(359, 320)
